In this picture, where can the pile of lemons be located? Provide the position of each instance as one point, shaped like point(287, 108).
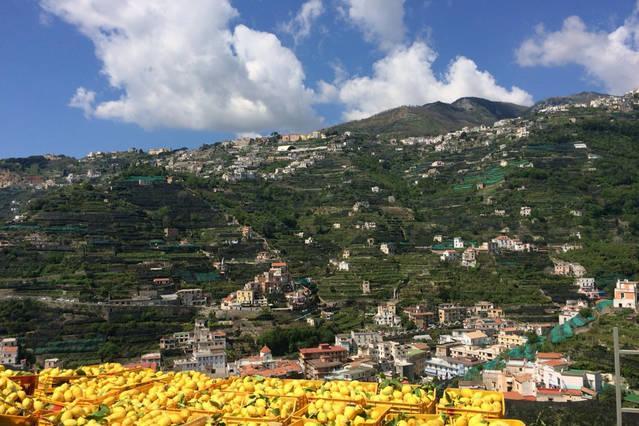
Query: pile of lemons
point(475, 400)
point(113, 395)
point(13, 399)
point(477, 420)
point(91, 388)
point(339, 413)
point(404, 393)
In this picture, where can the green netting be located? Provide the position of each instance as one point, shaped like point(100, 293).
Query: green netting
point(496, 364)
point(526, 351)
point(305, 281)
point(473, 373)
point(460, 187)
point(446, 245)
point(566, 330)
point(579, 321)
point(516, 353)
point(603, 305)
point(557, 335)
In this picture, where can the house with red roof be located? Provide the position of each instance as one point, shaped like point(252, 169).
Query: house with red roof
point(9, 351)
point(322, 360)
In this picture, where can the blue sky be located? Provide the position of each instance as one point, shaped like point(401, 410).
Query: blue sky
point(149, 74)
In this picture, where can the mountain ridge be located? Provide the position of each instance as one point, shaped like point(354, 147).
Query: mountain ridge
point(432, 118)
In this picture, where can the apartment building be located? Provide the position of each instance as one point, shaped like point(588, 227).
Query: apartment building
point(325, 358)
point(450, 313)
point(626, 294)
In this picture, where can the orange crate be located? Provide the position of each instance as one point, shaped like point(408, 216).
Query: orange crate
point(299, 416)
point(8, 420)
point(405, 407)
point(100, 399)
point(509, 422)
point(359, 400)
point(423, 417)
point(474, 410)
point(29, 383)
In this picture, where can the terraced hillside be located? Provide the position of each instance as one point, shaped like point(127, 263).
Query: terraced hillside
point(341, 211)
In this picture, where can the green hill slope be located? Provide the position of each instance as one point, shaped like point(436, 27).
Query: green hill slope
point(433, 118)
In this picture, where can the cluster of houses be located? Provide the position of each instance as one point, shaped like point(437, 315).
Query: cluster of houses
point(363, 355)
point(297, 137)
point(548, 378)
point(276, 282)
point(10, 179)
point(623, 103)
point(206, 350)
point(466, 252)
point(455, 140)
point(298, 162)
point(568, 269)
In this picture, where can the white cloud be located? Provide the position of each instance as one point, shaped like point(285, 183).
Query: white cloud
point(610, 58)
point(381, 21)
point(185, 66)
point(83, 99)
point(250, 135)
point(405, 77)
point(300, 26)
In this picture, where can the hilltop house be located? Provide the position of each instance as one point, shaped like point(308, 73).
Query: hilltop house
point(387, 315)
point(469, 257)
point(566, 269)
point(9, 352)
point(626, 294)
point(525, 211)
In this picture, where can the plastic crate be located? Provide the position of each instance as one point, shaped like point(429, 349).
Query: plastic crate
point(48, 384)
point(423, 417)
point(9, 420)
point(405, 407)
point(299, 416)
point(29, 383)
point(357, 400)
point(473, 410)
point(509, 422)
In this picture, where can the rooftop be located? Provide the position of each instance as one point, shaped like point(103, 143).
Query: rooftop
point(322, 348)
point(549, 355)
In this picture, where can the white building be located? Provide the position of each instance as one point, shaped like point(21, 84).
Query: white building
point(525, 211)
point(625, 294)
point(571, 309)
point(458, 243)
point(210, 362)
point(52, 363)
point(448, 256)
point(587, 287)
point(9, 351)
point(469, 257)
point(387, 315)
point(445, 368)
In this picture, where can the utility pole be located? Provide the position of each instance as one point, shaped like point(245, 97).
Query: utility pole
point(618, 353)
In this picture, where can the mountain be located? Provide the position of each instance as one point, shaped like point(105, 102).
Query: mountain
point(434, 118)
point(577, 98)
